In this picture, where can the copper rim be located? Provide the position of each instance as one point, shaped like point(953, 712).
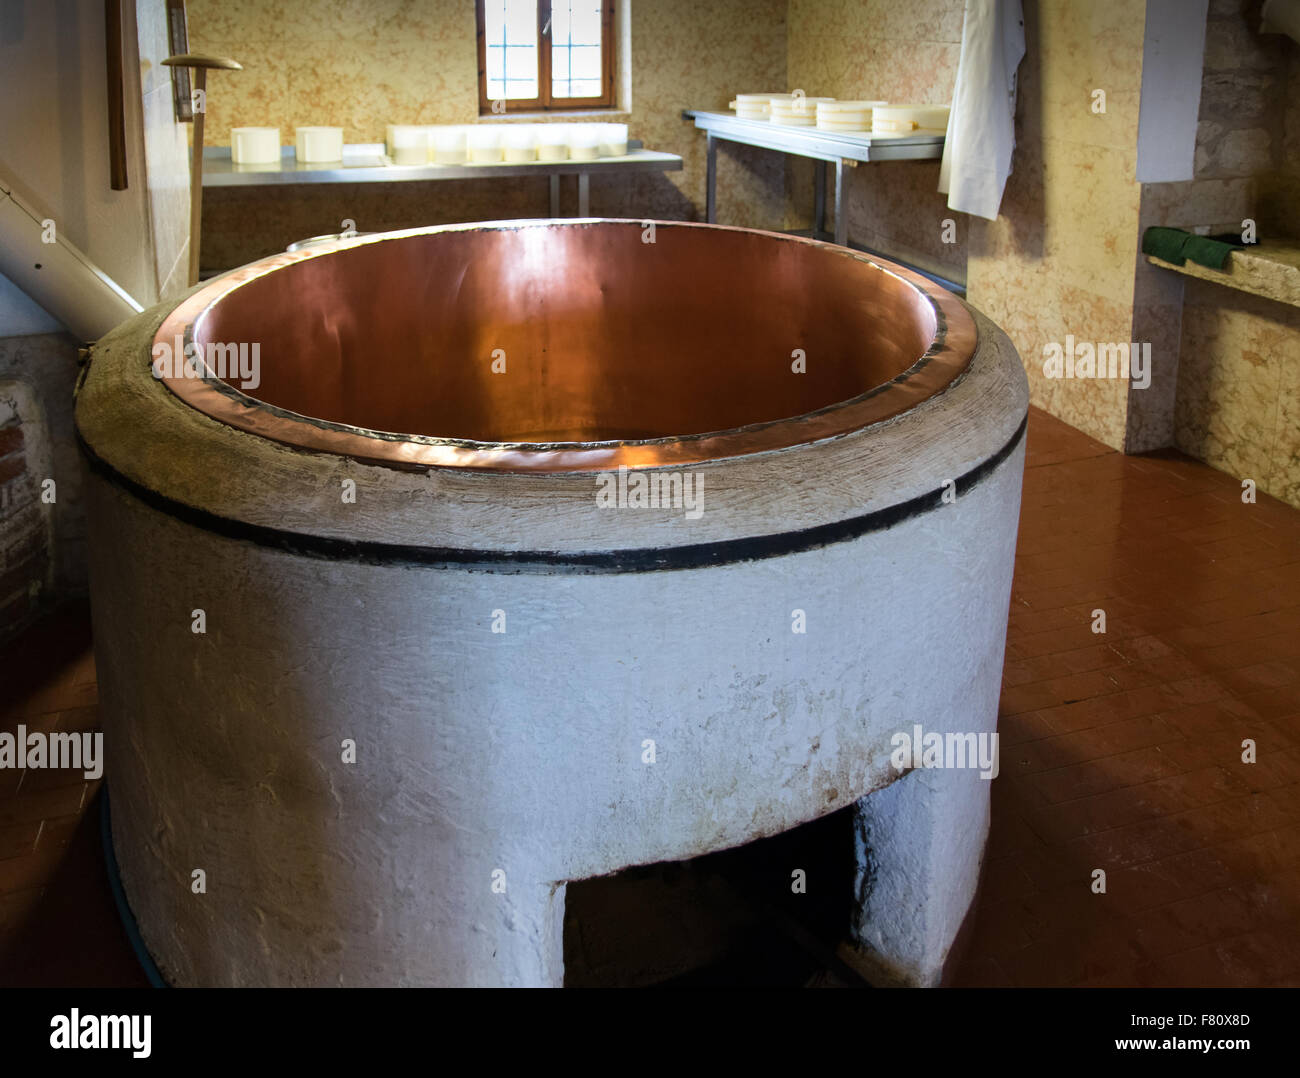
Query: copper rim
point(949, 353)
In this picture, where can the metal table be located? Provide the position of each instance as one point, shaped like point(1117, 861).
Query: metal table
point(823, 147)
point(367, 163)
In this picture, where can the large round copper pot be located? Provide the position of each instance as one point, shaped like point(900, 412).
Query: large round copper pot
point(409, 532)
point(677, 345)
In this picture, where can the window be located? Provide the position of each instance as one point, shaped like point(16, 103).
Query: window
point(537, 55)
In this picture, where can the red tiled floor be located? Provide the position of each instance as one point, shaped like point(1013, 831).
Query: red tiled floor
point(58, 924)
point(1121, 751)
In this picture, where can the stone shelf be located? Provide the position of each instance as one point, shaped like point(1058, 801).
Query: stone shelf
point(1269, 269)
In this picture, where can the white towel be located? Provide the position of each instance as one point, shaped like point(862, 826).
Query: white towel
point(982, 124)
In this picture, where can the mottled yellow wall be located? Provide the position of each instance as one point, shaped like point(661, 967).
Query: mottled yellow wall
point(1063, 257)
point(1235, 402)
point(881, 50)
point(359, 64)
point(1280, 190)
point(1239, 386)
point(363, 64)
point(1060, 259)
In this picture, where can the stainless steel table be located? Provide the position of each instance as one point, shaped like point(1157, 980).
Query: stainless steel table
point(824, 147)
point(367, 163)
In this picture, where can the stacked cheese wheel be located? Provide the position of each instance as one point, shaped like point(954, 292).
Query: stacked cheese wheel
point(509, 143)
point(905, 119)
point(753, 106)
point(845, 115)
point(796, 110)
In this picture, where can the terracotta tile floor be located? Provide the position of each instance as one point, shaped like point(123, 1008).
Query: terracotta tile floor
point(58, 924)
point(1121, 751)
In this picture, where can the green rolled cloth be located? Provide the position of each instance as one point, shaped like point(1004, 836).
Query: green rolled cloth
point(1177, 246)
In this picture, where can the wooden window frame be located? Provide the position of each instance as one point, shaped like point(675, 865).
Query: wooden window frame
point(544, 102)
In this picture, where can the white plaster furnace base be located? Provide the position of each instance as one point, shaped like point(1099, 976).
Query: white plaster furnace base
point(485, 758)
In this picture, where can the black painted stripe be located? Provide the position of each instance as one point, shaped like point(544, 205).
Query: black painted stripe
point(639, 560)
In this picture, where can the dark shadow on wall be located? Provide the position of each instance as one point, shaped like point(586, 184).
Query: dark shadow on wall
point(42, 515)
point(642, 197)
point(73, 19)
point(241, 225)
point(13, 22)
point(1024, 203)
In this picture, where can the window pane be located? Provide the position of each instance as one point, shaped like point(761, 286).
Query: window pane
point(560, 66)
point(576, 48)
point(510, 27)
point(575, 22)
point(585, 22)
point(585, 61)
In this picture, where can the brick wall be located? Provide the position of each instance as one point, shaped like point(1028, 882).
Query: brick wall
point(42, 526)
point(24, 532)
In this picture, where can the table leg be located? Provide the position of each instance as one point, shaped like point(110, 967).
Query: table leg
point(584, 194)
point(555, 195)
point(711, 179)
point(819, 200)
point(841, 218)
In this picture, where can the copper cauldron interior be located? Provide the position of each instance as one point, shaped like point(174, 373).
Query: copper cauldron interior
point(603, 336)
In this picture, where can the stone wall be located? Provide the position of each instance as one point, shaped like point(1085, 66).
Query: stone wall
point(42, 522)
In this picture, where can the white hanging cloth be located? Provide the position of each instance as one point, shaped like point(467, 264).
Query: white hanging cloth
point(982, 123)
